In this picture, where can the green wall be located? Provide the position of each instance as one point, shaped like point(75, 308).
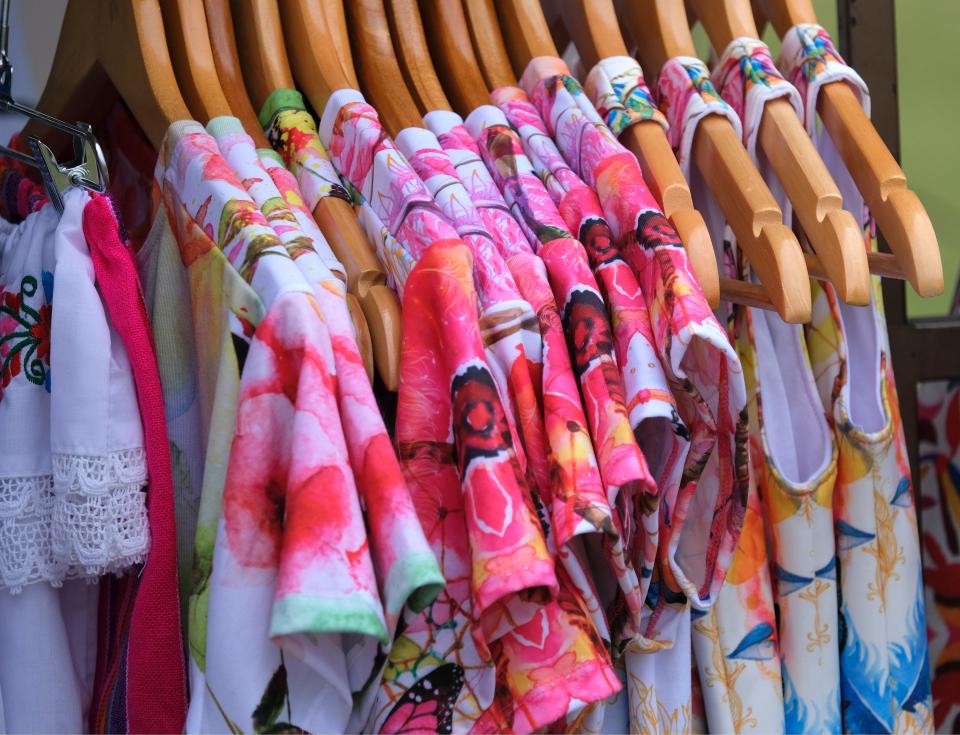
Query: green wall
point(826, 14)
point(929, 117)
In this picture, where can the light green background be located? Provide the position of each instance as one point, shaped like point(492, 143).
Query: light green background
point(929, 117)
point(826, 14)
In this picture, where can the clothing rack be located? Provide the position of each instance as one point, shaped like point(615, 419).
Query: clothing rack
point(919, 347)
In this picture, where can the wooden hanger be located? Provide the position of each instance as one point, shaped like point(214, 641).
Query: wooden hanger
point(458, 68)
point(900, 215)
point(120, 41)
point(189, 44)
point(525, 31)
point(263, 55)
point(373, 305)
point(410, 45)
point(656, 158)
point(661, 31)
point(378, 67)
point(833, 232)
point(596, 34)
point(312, 30)
point(488, 44)
point(336, 19)
point(227, 61)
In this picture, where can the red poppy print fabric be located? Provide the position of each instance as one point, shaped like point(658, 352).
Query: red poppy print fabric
point(282, 561)
point(403, 562)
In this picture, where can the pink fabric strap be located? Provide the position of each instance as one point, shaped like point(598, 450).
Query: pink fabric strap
point(155, 687)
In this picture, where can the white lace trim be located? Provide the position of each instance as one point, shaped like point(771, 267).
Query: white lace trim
point(86, 519)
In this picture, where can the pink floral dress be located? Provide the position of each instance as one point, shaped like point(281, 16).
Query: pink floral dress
point(493, 652)
point(403, 563)
point(701, 517)
point(578, 503)
point(650, 404)
point(579, 510)
point(591, 340)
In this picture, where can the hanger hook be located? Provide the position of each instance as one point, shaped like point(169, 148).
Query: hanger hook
point(6, 67)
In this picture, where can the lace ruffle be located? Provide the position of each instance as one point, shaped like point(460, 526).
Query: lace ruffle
point(86, 519)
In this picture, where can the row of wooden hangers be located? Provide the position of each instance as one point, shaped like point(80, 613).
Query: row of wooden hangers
point(179, 59)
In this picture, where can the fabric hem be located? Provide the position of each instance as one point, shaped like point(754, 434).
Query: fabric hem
point(611, 686)
point(296, 614)
point(420, 583)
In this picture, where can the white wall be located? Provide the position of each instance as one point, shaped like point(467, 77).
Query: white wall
point(34, 30)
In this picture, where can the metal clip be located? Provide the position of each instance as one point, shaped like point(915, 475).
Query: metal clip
point(90, 172)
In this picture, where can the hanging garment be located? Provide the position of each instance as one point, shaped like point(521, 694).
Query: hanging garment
point(651, 406)
point(437, 171)
point(156, 696)
point(75, 496)
point(526, 661)
point(405, 567)
point(74, 467)
point(202, 311)
point(252, 583)
point(788, 469)
point(702, 386)
point(591, 346)
point(875, 518)
point(131, 160)
point(579, 510)
point(577, 502)
point(795, 481)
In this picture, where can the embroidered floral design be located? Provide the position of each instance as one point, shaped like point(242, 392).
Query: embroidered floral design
point(25, 332)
